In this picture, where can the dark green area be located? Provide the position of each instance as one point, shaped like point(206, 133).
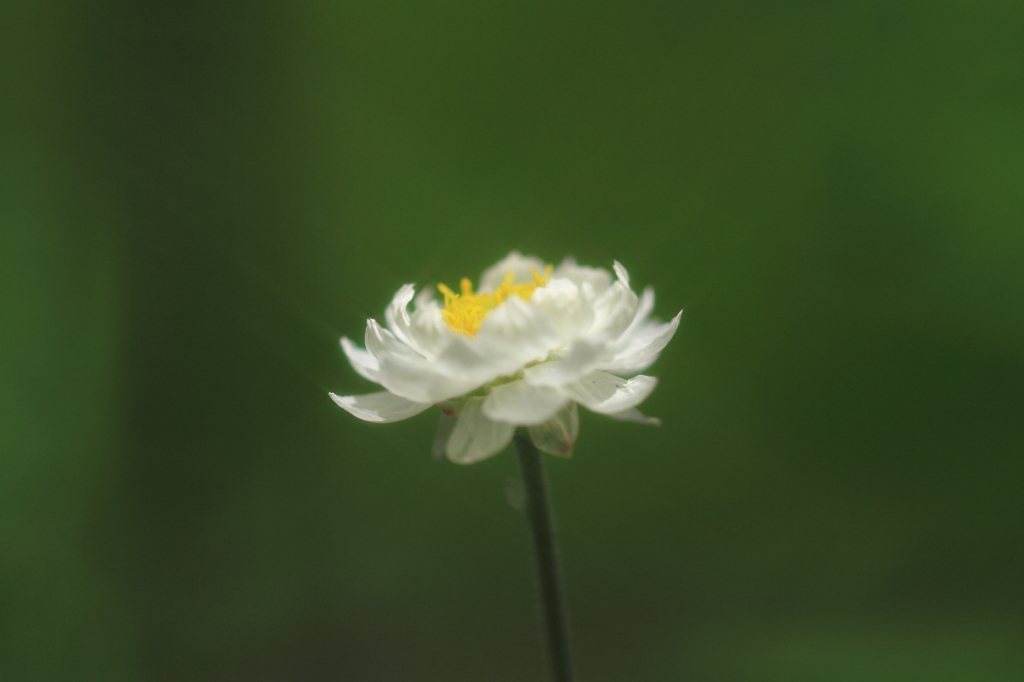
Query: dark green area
point(197, 199)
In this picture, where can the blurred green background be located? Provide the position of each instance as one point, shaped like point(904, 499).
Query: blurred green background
point(197, 199)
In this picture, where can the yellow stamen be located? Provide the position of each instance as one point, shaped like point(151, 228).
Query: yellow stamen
point(465, 312)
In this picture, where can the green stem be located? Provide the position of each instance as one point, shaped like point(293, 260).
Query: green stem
point(542, 529)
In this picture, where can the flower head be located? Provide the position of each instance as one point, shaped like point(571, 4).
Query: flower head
point(523, 350)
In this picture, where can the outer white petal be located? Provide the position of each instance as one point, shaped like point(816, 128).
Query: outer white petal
point(464, 359)
point(635, 415)
point(557, 436)
point(620, 272)
point(397, 316)
point(362, 361)
point(405, 372)
point(566, 307)
point(521, 404)
point(598, 278)
point(578, 361)
point(606, 393)
point(475, 437)
point(429, 330)
point(382, 343)
point(379, 407)
point(518, 264)
point(644, 347)
point(423, 384)
point(614, 311)
point(643, 310)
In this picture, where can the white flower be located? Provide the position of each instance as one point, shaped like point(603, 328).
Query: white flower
point(523, 351)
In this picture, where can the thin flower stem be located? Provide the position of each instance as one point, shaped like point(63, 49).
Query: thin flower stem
point(542, 529)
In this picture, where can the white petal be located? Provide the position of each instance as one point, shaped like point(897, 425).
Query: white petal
point(501, 349)
point(566, 307)
point(511, 336)
point(606, 393)
point(519, 265)
point(424, 298)
point(635, 415)
point(429, 331)
point(643, 310)
point(598, 278)
point(397, 316)
point(381, 342)
point(575, 363)
point(604, 303)
point(518, 329)
point(520, 404)
point(614, 311)
point(476, 437)
point(420, 382)
point(379, 407)
point(362, 361)
point(621, 273)
point(557, 436)
point(636, 328)
point(445, 426)
point(644, 347)
point(463, 358)
point(405, 372)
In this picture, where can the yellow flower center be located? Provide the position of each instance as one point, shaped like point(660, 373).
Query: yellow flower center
point(466, 311)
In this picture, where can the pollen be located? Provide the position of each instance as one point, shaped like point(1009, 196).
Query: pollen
point(464, 312)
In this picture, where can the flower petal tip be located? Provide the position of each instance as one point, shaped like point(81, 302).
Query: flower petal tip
point(621, 272)
point(382, 407)
point(635, 415)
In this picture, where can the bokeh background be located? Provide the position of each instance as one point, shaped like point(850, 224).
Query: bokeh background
point(198, 198)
